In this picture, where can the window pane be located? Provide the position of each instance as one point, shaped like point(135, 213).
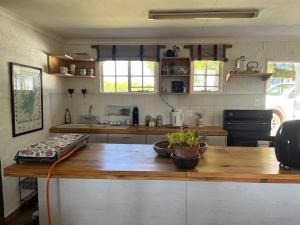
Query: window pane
point(122, 84)
point(136, 89)
point(212, 67)
point(136, 82)
point(212, 81)
point(211, 88)
point(199, 81)
point(108, 68)
point(149, 68)
point(149, 82)
point(108, 84)
point(199, 88)
point(149, 89)
point(199, 67)
point(136, 68)
point(122, 67)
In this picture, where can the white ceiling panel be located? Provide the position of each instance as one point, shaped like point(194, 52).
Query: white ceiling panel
point(129, 18)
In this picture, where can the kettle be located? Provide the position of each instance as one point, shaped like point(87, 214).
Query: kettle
point(241, 63)
point(287, 144)
point(177, 117)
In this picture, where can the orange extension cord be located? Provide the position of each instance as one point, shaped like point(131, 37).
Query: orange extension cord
point(48, 181)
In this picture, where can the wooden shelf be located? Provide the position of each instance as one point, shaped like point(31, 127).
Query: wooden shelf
point(264, 76)
point(57, 61)
point(71, 75)
point(174, 69)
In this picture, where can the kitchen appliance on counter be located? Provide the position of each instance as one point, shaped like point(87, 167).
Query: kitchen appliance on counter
point(246, 127)
point(177, 117)
point(287, 144)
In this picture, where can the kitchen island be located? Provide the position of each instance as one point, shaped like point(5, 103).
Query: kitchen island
point(128, 184)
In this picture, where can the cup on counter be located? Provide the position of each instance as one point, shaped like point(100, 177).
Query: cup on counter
point(89, 72)
point(72, 68)
point(63, 69)
point(82, 72)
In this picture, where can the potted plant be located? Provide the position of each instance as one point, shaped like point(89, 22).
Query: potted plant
point(187, 144)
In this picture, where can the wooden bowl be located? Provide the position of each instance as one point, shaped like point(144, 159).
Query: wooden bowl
point(161, 148)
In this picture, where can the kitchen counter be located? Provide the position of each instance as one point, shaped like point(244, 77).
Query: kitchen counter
point(120, 161)
point(129, 184)
point(143, 130)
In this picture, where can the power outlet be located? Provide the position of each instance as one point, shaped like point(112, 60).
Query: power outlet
point(257, 102)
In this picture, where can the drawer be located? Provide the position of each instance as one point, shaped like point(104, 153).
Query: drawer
point(151, 139)
point(126, 139)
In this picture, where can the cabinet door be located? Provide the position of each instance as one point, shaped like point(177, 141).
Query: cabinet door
point(151, 139)
point(126, 139)
point(216, 140)
point(98, 138)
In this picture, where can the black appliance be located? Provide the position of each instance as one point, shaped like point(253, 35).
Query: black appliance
point(135, 116)
point(177, 86)
point(287, 144)
point(246, 127)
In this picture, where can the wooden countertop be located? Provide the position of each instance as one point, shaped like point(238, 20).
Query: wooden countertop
point(120, 161)
point(143, 130)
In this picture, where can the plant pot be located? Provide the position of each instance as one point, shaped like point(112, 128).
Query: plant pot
point(186, 152)
point(185, 163)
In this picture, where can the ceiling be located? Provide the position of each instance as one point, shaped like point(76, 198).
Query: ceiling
point(73, 19)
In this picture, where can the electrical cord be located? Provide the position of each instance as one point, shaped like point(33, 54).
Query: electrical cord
point(48, 181)
point(165, 101)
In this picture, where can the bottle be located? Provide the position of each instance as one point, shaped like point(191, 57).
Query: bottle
point(135, 116)
point(67, 117)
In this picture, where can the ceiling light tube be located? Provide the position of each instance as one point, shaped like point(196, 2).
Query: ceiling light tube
point(203, 14)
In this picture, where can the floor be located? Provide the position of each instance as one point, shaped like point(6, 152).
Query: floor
point(24, 217)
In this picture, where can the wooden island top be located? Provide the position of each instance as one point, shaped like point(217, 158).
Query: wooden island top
point(127, 161)
point(142, 130)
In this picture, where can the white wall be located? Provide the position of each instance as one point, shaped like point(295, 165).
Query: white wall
point(21, 43)
point(239, 93)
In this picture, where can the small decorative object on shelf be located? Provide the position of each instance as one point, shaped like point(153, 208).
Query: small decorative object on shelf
point(71, 91)
point(172, 52)
point(83, 91)
point(159, 121)
point(147, 120)
point(188, 148)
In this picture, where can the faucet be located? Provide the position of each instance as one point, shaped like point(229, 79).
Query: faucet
point(90, 110)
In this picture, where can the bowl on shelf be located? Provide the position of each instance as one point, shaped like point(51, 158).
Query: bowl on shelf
point(161, 148)
point(183, 163)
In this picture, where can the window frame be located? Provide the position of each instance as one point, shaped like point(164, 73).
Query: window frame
point(129, 76)
point(220, 75)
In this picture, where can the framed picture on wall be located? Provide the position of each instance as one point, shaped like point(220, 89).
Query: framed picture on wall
point(26, 99)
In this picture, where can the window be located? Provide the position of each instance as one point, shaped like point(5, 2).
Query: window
point(207, 76)
point(128, 76)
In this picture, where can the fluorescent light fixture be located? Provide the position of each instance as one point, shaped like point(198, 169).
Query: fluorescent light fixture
point(202, 14)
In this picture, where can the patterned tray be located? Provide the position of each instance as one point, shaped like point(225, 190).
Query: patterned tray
point(52, 148)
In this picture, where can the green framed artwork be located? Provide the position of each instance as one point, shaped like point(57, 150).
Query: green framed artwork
point(26, 99)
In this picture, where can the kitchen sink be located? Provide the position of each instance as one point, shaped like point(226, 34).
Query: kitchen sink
point(82, 125)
